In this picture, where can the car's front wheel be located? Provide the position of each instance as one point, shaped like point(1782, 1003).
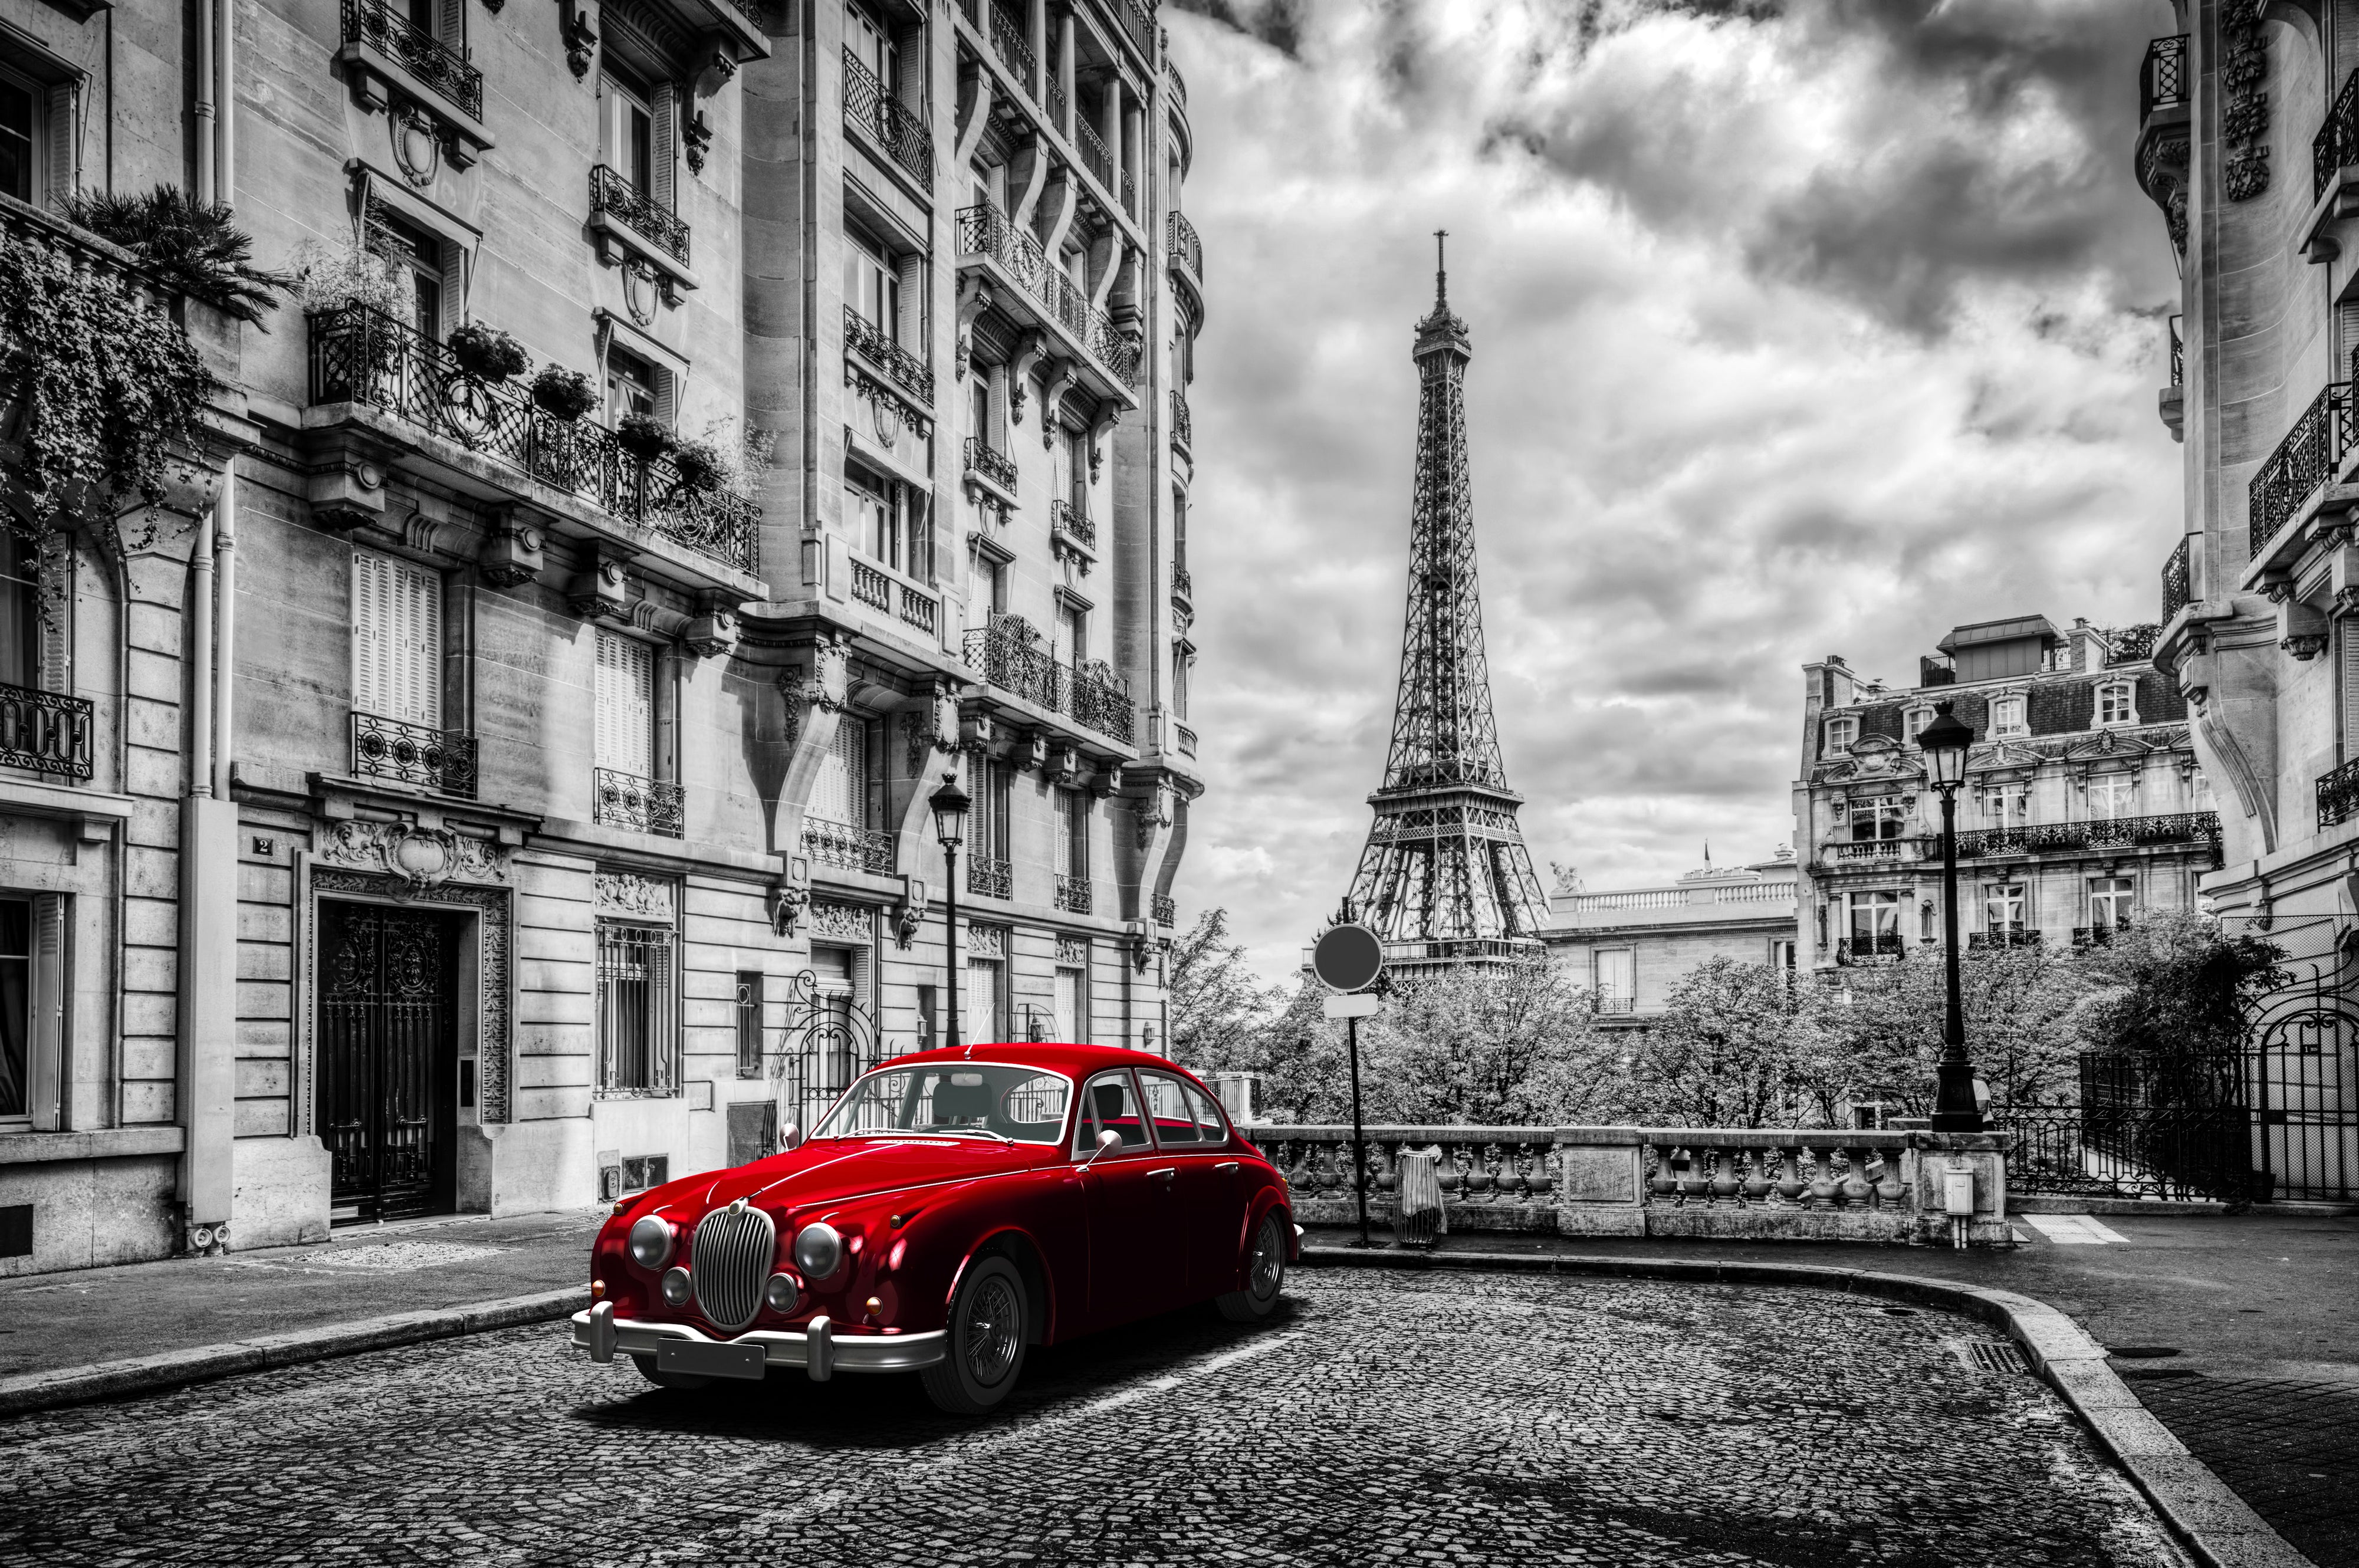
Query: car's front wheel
point(657, 1375)
point(1264, 1274)
point(985, 1343)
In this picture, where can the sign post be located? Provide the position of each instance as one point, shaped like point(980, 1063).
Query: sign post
point(1347, 959)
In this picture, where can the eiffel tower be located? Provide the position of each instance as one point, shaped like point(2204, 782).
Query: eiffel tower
point(1445, 880)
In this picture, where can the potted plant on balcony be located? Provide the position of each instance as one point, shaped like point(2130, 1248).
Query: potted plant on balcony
point(191, 248)
point(486, 353)
point(699, 467)
point(563, 395)
point(354, 300)
point(644, 437)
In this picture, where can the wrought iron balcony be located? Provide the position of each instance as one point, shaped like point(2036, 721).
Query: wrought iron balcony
point(2338, 794)
point(984, 231)
point(48, 732)
point(1883, 947)
point(2177, 351)
point(431, 61)
point(992, 464)
point(895, 127)
point(1102, 702)
point(1013, 663)
point(2162, 77)
point(854, 849)
point(2337, 142)
point(1179, 240)
point(361, 355)
point(2097, 935)
point(2177, 586)
point(2112, 832)
point(627, 801)
point(1067, 518)
point(613, 194)
point(1074, 894)
point(909, 372)
point(1138, 23)
point(2304, 460)
point(2010, 936)
point(441, 760)
point(1166, 910)
point(1094, 155)
point(1058, 105)
point(1007, 41)
point(990, 879)
point(1183, 582)
point(1184, 429)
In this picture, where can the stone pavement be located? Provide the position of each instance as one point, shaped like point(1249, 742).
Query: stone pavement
point(1384, 1417)
point(2239, 1332)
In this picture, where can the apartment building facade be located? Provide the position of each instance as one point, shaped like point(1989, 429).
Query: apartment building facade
point(2083, 802)
point(1632, 946)
point(493, 788)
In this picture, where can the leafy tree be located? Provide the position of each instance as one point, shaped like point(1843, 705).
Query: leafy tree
point(2178, 998)
point(1726, 1051)
point(1881, 1026)
point(1218, 1009)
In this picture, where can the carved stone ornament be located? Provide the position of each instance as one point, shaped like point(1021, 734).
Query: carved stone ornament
point(1152, 812)
point(2346, 603)
point(417, 858)
point(696, 131)
point(910, 914)
point(417, 144)
point(513, 556)
point(842, 922)
point(2304, 646)
point(2245, 113)
point(1073, 950)
point(786, 901)
point(712, 632)
point(986, 941)
point(580, 38)
point(629, 893)
point(725, 65)
point(1142, 951)
point(641, 291)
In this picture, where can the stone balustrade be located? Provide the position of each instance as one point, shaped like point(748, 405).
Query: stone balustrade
point(1805, 1184)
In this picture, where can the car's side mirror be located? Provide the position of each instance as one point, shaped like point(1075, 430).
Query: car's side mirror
point(789, 1137)
point(1106, 1139)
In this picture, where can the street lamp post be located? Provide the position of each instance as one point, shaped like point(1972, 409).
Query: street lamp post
point(949, 804)
point(1944, 743)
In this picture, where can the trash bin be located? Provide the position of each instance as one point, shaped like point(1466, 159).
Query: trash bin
point(1417, 1215)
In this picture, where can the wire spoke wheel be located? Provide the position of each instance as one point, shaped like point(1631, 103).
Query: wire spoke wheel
point(993, 1318)
point(989, 1328)
point(1264, 1274)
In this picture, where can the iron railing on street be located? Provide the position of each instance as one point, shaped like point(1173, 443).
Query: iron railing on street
point(897, 129)
point(2128, 1152)
point(425, 57)
point(989, 878)
point(2304, 460)
point(437, 759)
point(645, 805)
point(2178, 586)
point(362, 355)
point(48, 732)
point(2106, 832)
point(612, 193)
point(854, 849)
point(2162, 77)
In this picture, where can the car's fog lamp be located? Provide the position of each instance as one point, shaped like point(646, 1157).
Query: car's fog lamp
point(782, 1292)
point(651, 1243)
point(675, 1287)
point(819, 1251)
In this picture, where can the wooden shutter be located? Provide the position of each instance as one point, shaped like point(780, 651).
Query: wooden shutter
point(843, 792)
point(663, 109)
point(45, 1086)
point(58, 177)
point(627, 679)
point(55, 574)
point(396, 640)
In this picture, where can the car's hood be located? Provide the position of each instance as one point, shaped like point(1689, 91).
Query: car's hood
point(829, 1171)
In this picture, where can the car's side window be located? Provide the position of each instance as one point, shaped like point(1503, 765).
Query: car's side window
point(1167, 1103)
point(1210, 1128)
point(1107, 1102)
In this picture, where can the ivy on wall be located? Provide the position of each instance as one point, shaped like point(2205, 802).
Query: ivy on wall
point(2245, 107)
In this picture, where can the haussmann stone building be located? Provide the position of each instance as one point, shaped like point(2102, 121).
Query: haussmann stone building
point(488, 791)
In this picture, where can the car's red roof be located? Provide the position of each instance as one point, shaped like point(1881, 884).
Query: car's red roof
point(1077, 1060)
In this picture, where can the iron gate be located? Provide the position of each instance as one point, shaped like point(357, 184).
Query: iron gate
point(387, 1099)
point(2300, 1077)
point(828, 1041)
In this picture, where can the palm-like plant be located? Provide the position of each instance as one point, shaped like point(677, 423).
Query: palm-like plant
point(191, 247)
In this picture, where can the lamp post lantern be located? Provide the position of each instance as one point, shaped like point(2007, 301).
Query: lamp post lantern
point(949, 804)
point(1944, 743)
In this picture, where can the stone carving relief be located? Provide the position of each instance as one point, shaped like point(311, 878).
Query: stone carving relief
point(629, 893)
point(842, 922)
point(417, 858)
point(986, 941)
point(2245, 112)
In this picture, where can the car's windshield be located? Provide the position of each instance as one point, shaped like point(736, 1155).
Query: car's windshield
point(977, 1099)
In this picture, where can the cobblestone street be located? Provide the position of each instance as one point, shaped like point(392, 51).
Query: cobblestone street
point(1456, 1419)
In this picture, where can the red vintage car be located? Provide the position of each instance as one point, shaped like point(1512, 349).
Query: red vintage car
point(954, 1208)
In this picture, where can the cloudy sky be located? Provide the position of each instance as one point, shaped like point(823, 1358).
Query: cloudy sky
point(1804, 328)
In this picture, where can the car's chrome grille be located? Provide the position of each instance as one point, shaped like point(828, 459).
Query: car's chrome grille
point(731, 1262)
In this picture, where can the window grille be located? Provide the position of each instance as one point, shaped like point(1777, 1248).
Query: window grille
point(639, 1016)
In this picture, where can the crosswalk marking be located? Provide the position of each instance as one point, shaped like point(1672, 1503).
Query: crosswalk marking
point(2075, 1230)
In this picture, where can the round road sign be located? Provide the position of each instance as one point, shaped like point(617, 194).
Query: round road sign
point(1348, 957)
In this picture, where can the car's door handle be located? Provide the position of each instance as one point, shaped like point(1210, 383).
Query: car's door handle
point(1167, 1172)
point(1225, 1166)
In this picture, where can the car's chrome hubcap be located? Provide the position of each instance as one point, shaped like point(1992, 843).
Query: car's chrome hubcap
point(991, 1328)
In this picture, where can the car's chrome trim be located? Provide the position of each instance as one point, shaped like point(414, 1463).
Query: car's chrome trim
point(782, 1347)
point(601, 1335)
point(819, 1348)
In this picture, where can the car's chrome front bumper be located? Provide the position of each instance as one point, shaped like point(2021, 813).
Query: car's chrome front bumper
point(817, 1349)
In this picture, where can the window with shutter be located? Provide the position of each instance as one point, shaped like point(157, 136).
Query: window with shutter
point(1068, 1025)
point(841, 793)
point(396, 640)
point(627, 705)
point(664, 145)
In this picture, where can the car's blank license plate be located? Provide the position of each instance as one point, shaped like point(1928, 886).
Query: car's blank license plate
point(710, 1360)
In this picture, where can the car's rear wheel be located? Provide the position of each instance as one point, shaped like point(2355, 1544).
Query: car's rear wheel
point(1264, 1274)
point(657, 1375)
point(985, 1343)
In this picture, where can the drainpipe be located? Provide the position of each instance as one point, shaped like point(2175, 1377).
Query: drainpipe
point(225, 509)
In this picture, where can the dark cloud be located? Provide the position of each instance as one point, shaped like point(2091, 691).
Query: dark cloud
point(1277, 22)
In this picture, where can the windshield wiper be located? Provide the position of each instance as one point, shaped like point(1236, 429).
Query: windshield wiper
point(968, 1132)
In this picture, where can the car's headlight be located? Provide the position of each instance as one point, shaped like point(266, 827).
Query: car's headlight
point(818, 1250)
point(651, 1243)
point(782, 1292)
point(675, 1287)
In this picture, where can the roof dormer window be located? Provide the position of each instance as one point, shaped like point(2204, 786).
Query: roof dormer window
point(2006, 718)
point(2116, 703)
point(1839, 735)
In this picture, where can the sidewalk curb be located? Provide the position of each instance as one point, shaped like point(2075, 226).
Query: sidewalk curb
point(147, 1374)
point(2219, 1526)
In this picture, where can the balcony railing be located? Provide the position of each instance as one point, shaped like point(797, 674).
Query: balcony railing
point(1166, 910)
point(1074, 894)
point(2338, 794)
point(1186, 738)
point(48, 732)
point(360, 355)
point(1183, 582)
point(1179, 83)
point(2011, 936)
point(2178, 588)
point(1068, 518)
point(2337, 142)
point(1881, 948)
point(907, 371)
point(1873, 849)
point(992, 464)
point(983, 230)
point(611, 193)
point(1008, 43)
point(1138, 21)
point(419, 52)
point(871, 587)
point(1184, 429)
point(897, 129)
point(627, 801)
point(2097, 935)
point(1057, 105)
point(990, 879)
point(854, 849)
point(1179, 239)
point(436, 759)
point(921, 610)
point(1009, 661)
point(2162, 78)
point(2177, 351)
point(2305, 460)
point(2109, 833)
point(1094, 155)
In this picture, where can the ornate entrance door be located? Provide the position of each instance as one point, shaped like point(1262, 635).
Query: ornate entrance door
point(387, 1103)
